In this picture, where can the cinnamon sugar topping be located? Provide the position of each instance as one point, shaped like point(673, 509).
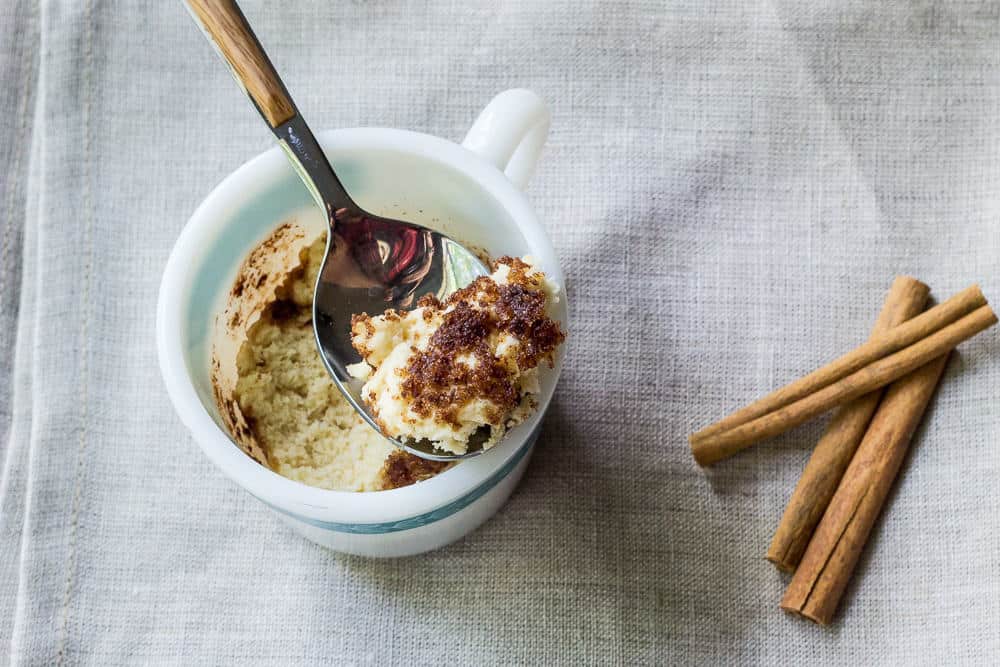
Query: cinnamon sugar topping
point(450, 367)
point(438, 386)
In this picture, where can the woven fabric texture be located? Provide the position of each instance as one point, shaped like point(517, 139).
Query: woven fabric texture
point(731, 187)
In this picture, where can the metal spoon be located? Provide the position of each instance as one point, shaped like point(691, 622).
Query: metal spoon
point(372, 263)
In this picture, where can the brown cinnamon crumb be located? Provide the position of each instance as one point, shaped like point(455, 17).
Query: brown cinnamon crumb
point(403, 469)
point(359, 323)
point(363, 320)
point(429, 301)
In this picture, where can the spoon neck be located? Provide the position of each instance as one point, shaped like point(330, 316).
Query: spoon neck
point(312, 166)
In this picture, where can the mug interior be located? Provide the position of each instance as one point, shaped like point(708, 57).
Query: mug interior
point(403, 178)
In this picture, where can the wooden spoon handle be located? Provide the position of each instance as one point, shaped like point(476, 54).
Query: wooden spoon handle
point(227, 28)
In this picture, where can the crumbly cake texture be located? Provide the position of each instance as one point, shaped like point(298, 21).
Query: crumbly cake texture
point(447, 370)
point(295, 412)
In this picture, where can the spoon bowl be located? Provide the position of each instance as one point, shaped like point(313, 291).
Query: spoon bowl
point(374, 263)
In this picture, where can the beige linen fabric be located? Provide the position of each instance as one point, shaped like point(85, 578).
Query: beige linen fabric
point(731, 187)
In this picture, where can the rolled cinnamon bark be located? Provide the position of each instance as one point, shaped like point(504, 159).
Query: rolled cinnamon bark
point(833, 452)
point(876, 348)
point(874, 376)
point(833, 551)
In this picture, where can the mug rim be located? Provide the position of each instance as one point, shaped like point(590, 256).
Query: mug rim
point(290, 496)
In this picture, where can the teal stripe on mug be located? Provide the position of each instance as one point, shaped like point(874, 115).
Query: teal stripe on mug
point(428, 517)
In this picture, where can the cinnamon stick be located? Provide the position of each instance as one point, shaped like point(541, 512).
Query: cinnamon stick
point(876, 348)
point(833, 452)
point(833, 552)
point(874, 376)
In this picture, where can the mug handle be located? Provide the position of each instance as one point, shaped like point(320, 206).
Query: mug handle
point(510, 133)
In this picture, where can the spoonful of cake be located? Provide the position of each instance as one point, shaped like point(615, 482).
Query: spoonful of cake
point(441, 372)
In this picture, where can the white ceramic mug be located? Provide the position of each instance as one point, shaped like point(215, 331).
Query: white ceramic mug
point(471, 192)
